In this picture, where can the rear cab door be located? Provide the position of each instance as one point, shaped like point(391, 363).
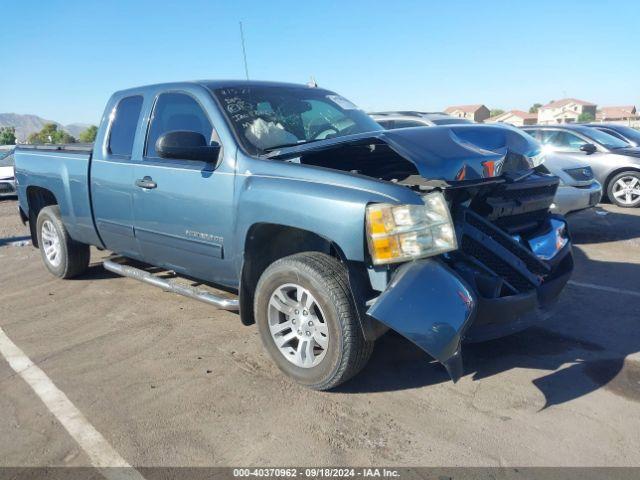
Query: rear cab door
point(112, 170)
point(183, 220)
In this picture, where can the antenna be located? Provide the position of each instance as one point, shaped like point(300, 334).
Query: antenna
point(244, 52)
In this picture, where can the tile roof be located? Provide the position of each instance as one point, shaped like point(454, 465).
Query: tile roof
point(464, 108)
point(565, 101)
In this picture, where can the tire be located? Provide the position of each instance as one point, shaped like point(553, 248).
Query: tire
point(615, 189)
point(331, 309)
point(63, 256)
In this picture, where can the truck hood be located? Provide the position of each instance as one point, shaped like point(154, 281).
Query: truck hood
point(450, 153)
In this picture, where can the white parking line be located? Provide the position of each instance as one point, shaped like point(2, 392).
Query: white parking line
point(605, 289)
point(101, 454)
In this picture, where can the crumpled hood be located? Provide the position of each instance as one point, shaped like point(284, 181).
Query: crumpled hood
point(449, 153)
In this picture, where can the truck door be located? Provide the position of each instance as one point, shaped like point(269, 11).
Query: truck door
point(111, 179)
point(182, 208)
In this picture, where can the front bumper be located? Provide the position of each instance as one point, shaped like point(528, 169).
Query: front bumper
point(439, 305)
point(8, 187)
point(569, 198)
point(499, 317)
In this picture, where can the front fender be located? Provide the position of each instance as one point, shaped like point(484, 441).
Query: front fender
point(429, 304)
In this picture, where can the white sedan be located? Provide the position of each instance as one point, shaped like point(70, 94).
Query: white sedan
point(578, 187)
point(7, 175)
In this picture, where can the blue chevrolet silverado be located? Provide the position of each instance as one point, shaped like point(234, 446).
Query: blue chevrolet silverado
point(308, 218)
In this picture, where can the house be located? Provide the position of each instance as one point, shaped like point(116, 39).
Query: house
point(476, 113)
point(567, 110)
point(515, 117)
point(622, 114)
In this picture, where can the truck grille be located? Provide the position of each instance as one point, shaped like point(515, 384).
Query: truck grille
point(500, 254)
point(518, 207)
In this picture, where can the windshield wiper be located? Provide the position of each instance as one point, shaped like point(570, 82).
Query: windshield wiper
point(292, 144)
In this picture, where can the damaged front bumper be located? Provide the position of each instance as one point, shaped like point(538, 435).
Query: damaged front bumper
point(439, 305)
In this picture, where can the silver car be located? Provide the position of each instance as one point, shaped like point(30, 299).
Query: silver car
point(7, 175)
point(405, 119)
point(615, 163)
point(578, 188)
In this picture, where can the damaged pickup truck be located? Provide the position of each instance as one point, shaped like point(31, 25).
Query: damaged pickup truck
point(308, 218)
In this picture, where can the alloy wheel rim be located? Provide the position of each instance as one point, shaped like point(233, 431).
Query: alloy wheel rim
point(51, 243)
point(626, 190)
point(297, 325)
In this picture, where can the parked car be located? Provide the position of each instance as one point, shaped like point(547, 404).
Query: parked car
point(615, 164)
point(404, 119)
point(623, 132)
point(7, 177)
point(328, 228)
point(578, 189)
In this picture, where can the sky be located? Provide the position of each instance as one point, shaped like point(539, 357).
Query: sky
point(61, 60)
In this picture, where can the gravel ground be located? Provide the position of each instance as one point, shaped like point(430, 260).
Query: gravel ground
point(169, 381)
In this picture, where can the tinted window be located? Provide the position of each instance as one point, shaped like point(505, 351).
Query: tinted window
point(612, 133)
point(628, 132)
point(408, 123)
point(176, 111)
point(123, 126)
point(388, 124)
point(605, 139)
point(7, 160)
point(449, 121)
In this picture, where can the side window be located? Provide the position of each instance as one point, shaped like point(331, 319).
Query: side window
point(563, 140)
point(533, 133)
point(123, 126)
point(176, 111)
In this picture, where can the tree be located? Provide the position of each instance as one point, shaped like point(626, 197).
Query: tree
point(535, 107)
point(50, 134)
point(586, 117)
point(495, 112)
point(89, 135)
point(7, 135)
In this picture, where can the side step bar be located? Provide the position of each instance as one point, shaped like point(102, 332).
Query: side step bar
point(217, 301)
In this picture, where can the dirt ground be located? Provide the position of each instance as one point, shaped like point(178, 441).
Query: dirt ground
point(170, 381)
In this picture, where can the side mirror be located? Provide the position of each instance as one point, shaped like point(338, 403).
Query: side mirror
point(187, 146)
point(589, 148)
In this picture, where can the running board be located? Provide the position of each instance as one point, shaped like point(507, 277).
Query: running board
point(217, 301)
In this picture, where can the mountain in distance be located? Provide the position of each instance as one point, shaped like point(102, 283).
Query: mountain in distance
point(27, 124)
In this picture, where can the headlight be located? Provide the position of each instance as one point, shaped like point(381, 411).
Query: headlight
point(397, 233)
point(581, 174)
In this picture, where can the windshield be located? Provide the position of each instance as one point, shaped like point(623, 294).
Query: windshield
point(6, 158)
point(449, 121)
point(608, 141)
point(265, 118)
point(628, 132)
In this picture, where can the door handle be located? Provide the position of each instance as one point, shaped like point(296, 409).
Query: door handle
point(146, 182)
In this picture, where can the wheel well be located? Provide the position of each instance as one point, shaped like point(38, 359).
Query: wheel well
point(616, 172)
point(266, 243)
point(38, 198)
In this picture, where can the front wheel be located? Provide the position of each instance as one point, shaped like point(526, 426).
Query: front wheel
point(624, 189)
point(63, 256)
point(308, 321)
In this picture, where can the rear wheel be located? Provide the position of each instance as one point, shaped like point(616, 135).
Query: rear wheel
point(624, 189)
point(308, 321)
point(63, 256)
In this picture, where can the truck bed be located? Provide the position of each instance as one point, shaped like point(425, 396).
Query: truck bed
point(62, 170)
